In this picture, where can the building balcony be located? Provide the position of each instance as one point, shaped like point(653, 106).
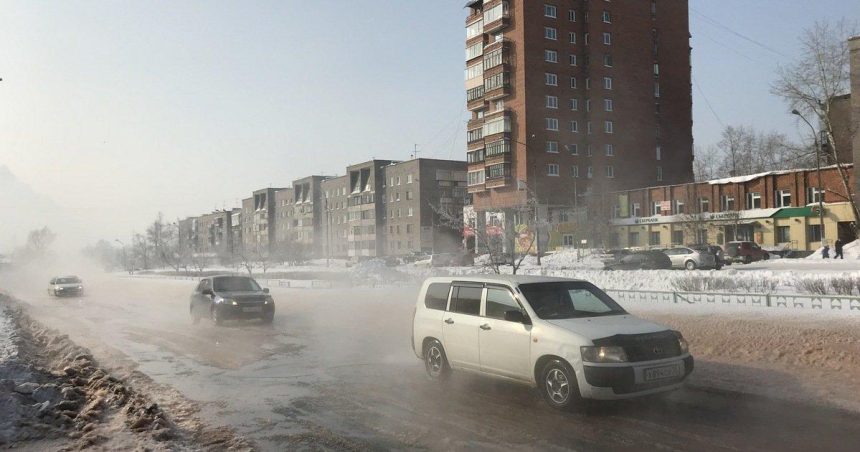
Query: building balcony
point(498, 22)
point(498, 148)
point(497, 86)
point(498, 182)
point(477, 188)
point(475, 98)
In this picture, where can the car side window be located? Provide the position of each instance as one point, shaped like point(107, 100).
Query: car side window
point(204, 284)
point(498, 302)
point(437, 296)
point(466, 300)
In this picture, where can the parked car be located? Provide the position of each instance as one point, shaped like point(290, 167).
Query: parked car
point(641, 260)
point(566, 337)
point(745, 252)
point(691, 259)
point(614, 255)
point(716, 250)
point(223, 298)
point(66, 286)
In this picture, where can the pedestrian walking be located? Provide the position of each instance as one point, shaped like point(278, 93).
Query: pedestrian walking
point(839, 245)
point(825, 252)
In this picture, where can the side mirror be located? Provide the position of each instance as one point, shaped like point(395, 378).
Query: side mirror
point(265, 290)
point(517, 316)
point(207, 292)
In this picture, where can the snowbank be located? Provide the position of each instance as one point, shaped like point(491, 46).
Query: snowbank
point(851, 251)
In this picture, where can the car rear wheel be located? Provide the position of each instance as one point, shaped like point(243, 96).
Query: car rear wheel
point(559, 387)
point(690, 265)
point(435, 361)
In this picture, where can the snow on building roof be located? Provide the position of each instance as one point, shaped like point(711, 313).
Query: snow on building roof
point(751, 177)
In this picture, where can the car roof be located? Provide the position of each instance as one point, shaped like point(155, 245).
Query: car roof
point(66, 276)
point(513, 280)
point(229, 276)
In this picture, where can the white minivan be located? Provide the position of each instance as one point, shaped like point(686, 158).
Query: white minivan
point(567, 337)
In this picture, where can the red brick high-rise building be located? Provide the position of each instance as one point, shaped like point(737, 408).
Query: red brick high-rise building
point(574, 97)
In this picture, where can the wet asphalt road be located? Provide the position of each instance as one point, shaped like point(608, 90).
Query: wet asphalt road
point(336, 371)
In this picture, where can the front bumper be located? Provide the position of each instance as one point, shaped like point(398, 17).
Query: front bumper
point(245, 311)
point(612, 382)
point(67, 292)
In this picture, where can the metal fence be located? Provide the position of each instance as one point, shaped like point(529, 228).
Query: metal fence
point(756, 300)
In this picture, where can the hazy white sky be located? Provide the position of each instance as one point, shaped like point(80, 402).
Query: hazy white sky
point(121, 109)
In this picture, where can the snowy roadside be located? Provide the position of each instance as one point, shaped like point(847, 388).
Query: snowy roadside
point(54, 395)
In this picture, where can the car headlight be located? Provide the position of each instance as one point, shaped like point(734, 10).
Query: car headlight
point(682, 343)
point(229, 301)
point(612, 354)
point(269, 300)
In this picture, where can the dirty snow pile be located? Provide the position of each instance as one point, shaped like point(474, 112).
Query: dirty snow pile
point(54, 395)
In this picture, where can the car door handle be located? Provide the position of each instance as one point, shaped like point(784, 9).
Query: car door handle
point(486, 327)
point(449, 321)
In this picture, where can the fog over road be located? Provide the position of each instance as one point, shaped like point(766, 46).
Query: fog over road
point(336, 371)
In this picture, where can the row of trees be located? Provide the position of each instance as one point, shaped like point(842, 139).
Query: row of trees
point(162, 246)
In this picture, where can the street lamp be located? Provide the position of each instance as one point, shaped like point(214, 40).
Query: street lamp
point(818, 170)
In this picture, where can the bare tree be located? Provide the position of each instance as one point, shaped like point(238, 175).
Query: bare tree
point(38, 245)
point(141, 249)
point(810, 85)
point(706, 164)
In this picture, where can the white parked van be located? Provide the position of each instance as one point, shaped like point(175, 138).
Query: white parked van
point(567, 337)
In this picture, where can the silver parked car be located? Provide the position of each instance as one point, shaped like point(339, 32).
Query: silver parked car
point(683, 257)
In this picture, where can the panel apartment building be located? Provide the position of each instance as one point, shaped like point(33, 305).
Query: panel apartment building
point(574, 97)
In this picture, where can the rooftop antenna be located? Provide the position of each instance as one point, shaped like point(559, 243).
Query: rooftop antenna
point(415, 152)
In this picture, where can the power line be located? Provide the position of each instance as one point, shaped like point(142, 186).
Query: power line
point(715, 23)
point(707, 102)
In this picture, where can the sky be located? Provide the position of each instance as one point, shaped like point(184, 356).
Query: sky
point(119, 110)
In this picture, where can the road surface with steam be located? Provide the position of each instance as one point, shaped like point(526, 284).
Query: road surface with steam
point(336, 371)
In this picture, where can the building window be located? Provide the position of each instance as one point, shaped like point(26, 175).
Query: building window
point(607, 60)
point(588, 126)
point(783, 198)
point(571, 37)
point(608, 127)
point(783, 234)
point(410, 212)
point(551, 79)
point(607, 83)
point(574, 104)
point(552, 146)
point(408, 195)
point(633, 239)
point(656, 208)
point(704, 205)
point(573, 60)
point(551, 102)
point(610, 150)
point(550, 33)
point(813, 233)
point(814, 195)
point(574, 171)
point(656, 69)
point(571, 15)
point(574, 126)
point(610, 171)
point(588, 172)
point(550, 56)
point(588, 150)
point(659, 173)
point(587, 83)
point(550, 11)
point(656, 89)
point(607, 18)
point(585, 38)
point(608, 105)
point(654, 238)
point(573, 149)
point(552, 169)
point(753, 200)
point(475, 29)
point(573, 82)
point(678, 207)
point(476, 177)
point(659, 153)
point(607, 38)
point(727, 203)
point(409, 178)
point(552, 124)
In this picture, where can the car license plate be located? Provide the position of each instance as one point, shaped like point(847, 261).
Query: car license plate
point(660, 373)
point(255, 309)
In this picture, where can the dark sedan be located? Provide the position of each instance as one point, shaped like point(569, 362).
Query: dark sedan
point(223, 298)
point(642, 260)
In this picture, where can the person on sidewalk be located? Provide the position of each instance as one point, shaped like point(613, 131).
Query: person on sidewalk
point(825, 252)
point(839, 245)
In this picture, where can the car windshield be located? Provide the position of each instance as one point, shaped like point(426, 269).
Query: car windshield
point(72, 280)
point(569, 300)
point(235, 284)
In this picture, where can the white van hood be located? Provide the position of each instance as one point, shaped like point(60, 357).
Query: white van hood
point(599, 327)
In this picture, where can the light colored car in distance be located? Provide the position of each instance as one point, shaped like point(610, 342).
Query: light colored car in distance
point(64, 286)
point(566, 337)
point(690, 258)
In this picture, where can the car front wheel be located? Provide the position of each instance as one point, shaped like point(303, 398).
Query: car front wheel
point(690, 265)
point(435, 361)
point(559, 387)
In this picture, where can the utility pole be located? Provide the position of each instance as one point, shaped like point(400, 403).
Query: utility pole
point(818, 171)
